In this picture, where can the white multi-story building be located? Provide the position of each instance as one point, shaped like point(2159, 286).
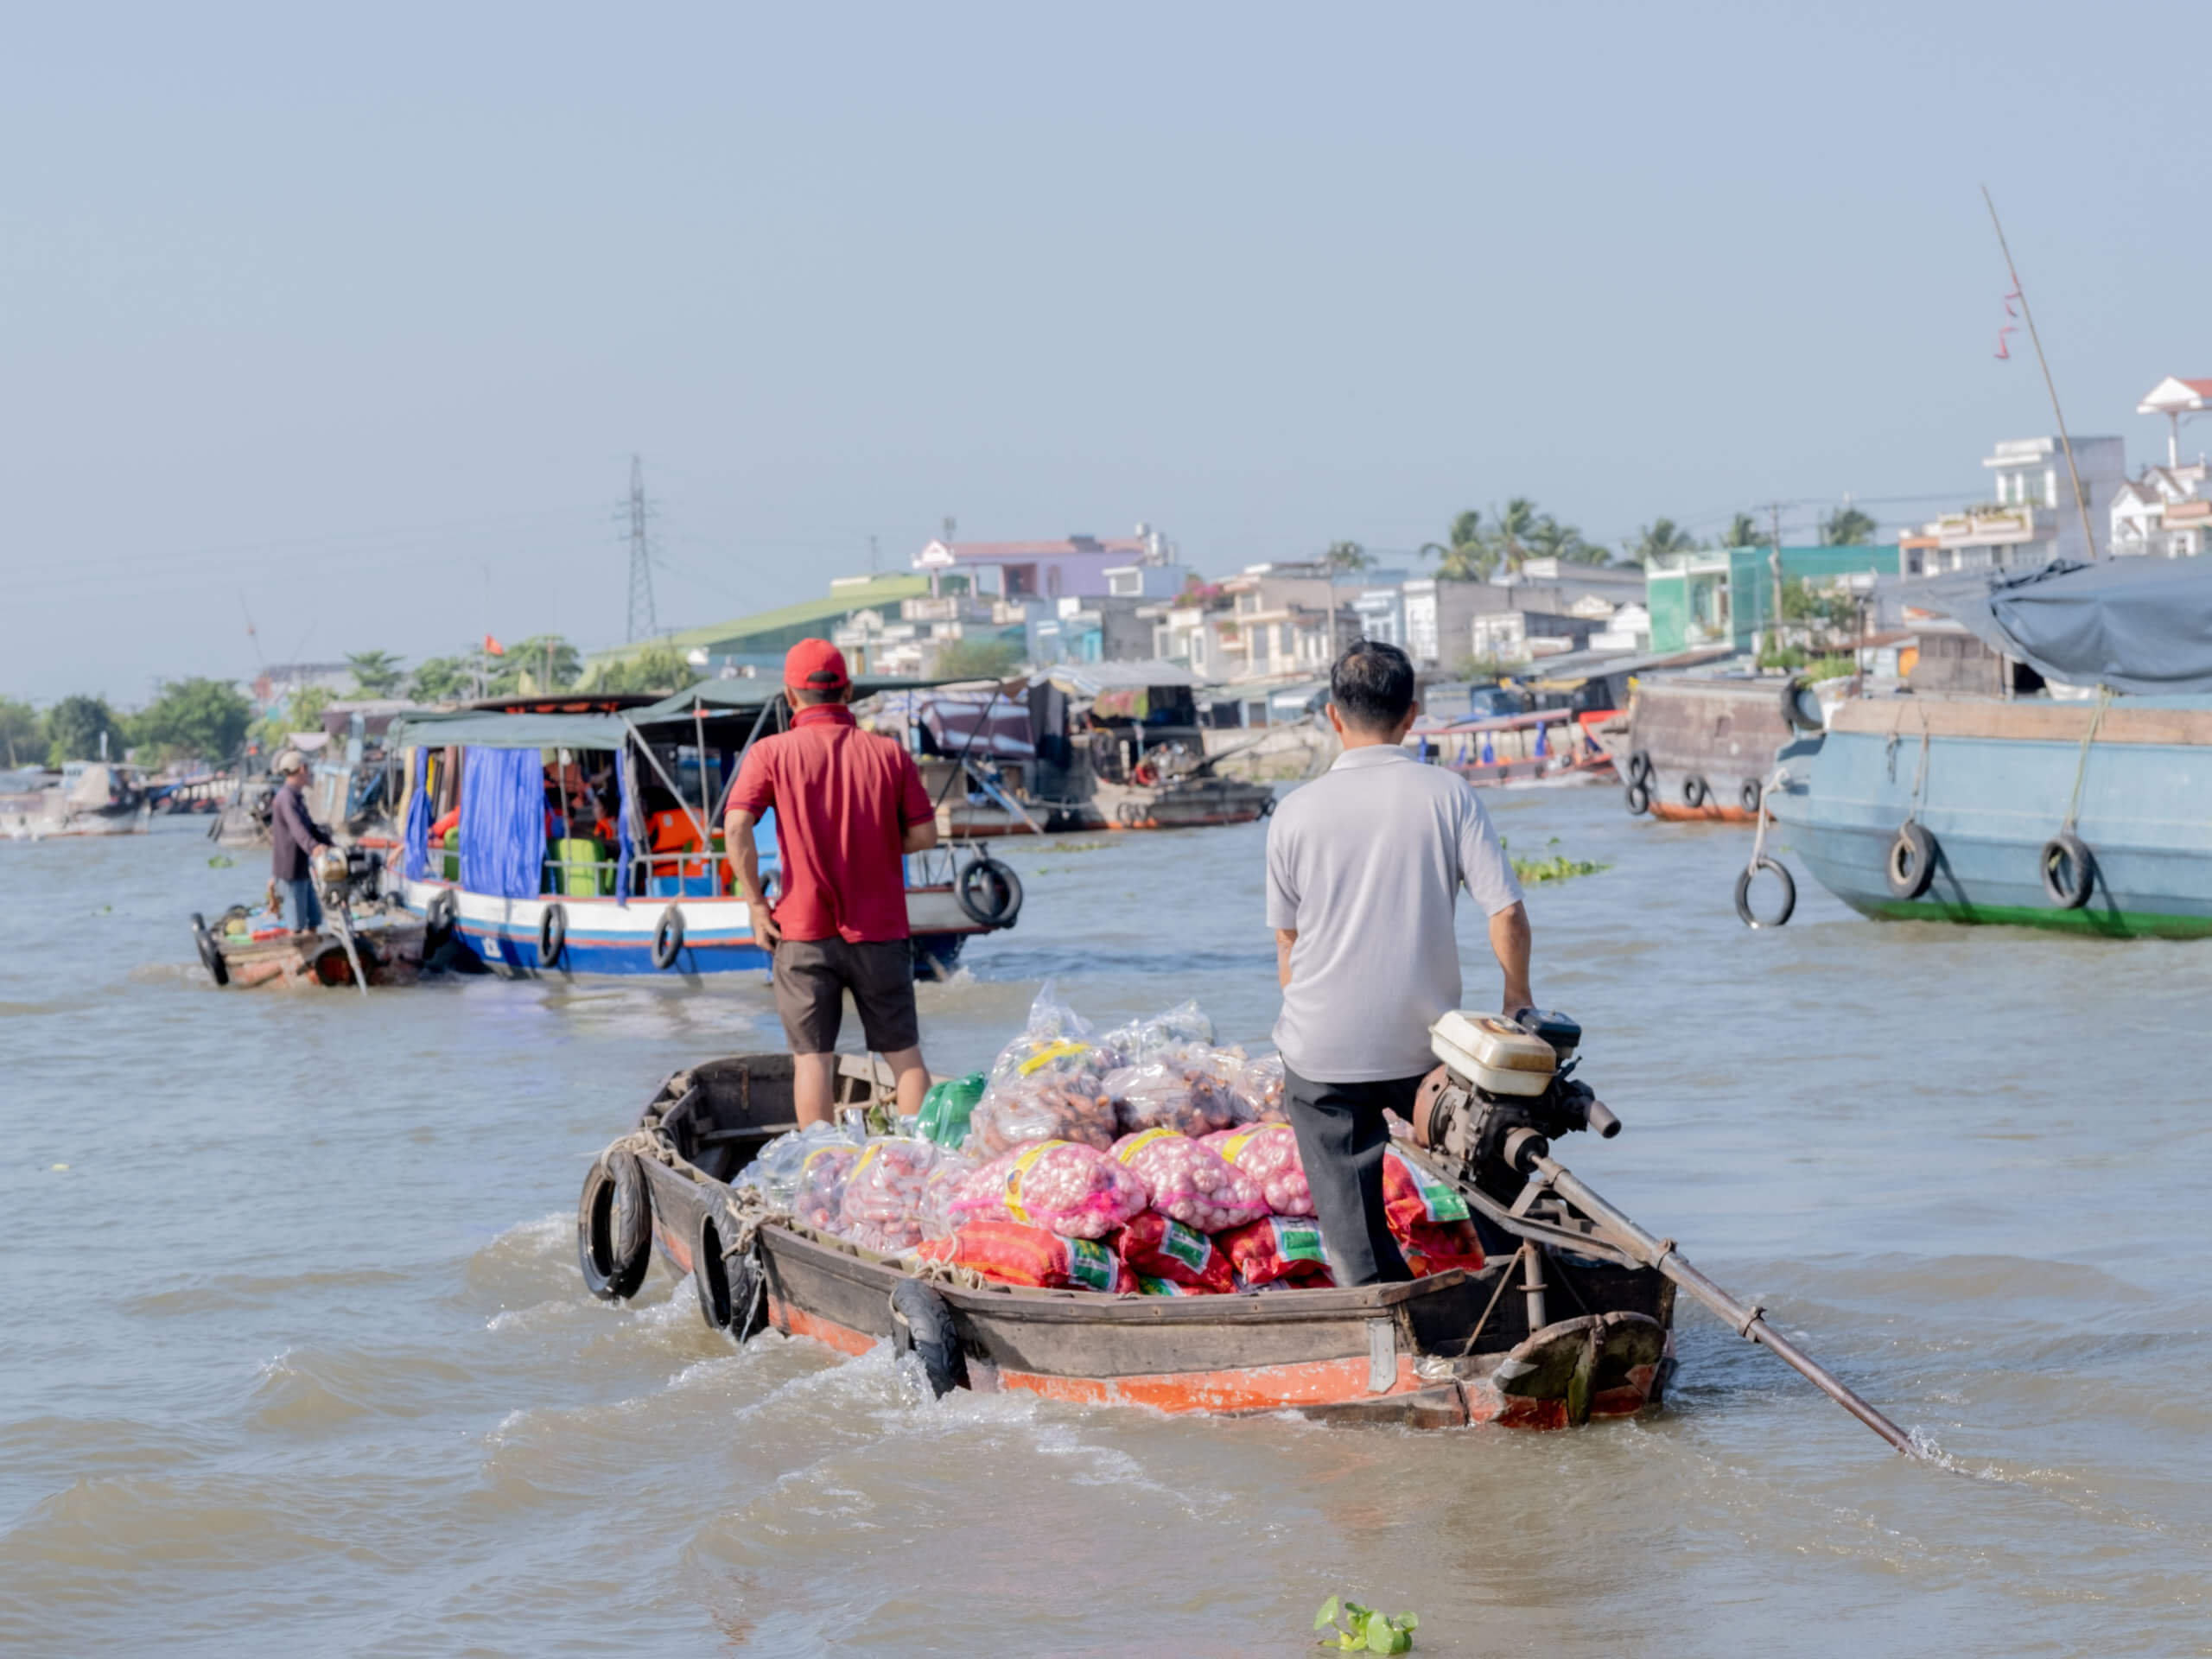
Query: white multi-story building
point(2166, 512)
point(2034, 518)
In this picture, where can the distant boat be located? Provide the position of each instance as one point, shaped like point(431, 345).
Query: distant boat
point(1699, 747)
point(2090, 817)
point(85, 797)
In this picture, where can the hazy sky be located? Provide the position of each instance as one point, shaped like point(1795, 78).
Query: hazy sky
point(323, 316)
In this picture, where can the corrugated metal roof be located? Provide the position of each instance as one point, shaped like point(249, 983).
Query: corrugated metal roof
point(1088, 679)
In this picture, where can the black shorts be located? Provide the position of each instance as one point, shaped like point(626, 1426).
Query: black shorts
point(812, 976)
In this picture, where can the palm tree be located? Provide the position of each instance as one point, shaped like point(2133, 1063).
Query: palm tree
point(1345, 558)
point(1510, 532)
point(1847, 526)
point(1742, 531)
point(1661, 538)
point(1463, 556)
point(376, 673)
point(1551, 539)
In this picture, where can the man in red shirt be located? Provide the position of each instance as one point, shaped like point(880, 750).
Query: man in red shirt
point(849, 805)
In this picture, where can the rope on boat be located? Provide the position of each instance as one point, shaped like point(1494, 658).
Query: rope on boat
point(746, 1208)
point(950, 1273)
point(2082, 766)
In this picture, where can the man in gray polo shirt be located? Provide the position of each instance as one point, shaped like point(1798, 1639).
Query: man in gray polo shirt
point(1364, 866)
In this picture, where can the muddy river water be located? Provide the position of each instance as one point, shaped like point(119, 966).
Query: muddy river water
point(294, 1356)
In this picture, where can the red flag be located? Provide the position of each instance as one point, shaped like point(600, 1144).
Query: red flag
point(493, 647)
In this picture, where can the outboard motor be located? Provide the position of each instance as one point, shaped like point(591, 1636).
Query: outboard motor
point(1503, 1092)
point(346, 875)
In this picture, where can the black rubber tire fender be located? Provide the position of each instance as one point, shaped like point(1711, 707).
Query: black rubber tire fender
point(1126, 815)
point(727, 1285)
point(210, 953)
point(1639, 796)
point(552, 935)
point(1001, 906)
point(1795, 713)
point(921, 1325)
point(1639, 766)
point(668, 939)
point(2069, 870)
point(1909, 865)
point(1751, 794)
point(439, 916)
point(1694, 791)
point(1744, 912)
point(710, 1272)
point(615, 1227)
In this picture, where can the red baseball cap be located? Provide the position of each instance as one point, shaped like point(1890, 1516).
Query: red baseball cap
point(815, 665)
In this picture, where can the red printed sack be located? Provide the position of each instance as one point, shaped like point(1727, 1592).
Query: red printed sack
point(1159, 1246)
point(1015, 1255)
point(1428, 1219)
point(1278, 1247)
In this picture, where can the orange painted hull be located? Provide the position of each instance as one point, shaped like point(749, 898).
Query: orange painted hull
point(1675, 812)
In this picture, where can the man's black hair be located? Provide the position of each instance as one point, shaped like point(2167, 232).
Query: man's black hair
point(813, 696)
point(1372, 685)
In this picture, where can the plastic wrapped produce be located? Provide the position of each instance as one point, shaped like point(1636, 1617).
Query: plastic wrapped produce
point(945, 1180)
point(1055, 1041)
point(1279, 1246)
point(1016, 1254)
point(1257, 1093)
point(1189, 1183)
point(1040, 1108)
point(1184, 1026)
point(819, 1201)
point(1156, 1247)
point(883, 1202)
point(1182, 1091)
point(1268, 1153)
point(1057, 1185)
point(775, 1170)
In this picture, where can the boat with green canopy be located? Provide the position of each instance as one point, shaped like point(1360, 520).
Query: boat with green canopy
point(575, 835)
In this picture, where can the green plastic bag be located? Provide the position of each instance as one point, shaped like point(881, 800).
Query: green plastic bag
point(945, 1108)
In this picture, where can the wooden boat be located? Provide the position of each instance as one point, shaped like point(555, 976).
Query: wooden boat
point(1550, 747)
point(1083, 748)
point(366, 939)
point(1458, 1348)
point(1697, 748)
point(83, 798)
point(388, 948)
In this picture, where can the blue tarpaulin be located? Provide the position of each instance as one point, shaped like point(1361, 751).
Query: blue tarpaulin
point(622, 815)
point(418, 837)
point(2138, 624)
point(502, 822)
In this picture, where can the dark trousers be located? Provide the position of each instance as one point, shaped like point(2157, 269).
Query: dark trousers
point(307, 909)
point(1341, 1138)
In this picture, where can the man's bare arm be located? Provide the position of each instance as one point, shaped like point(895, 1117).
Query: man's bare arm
point(1285, 938)
point(737, 836)
point(1510, 939)
point(918, 838)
